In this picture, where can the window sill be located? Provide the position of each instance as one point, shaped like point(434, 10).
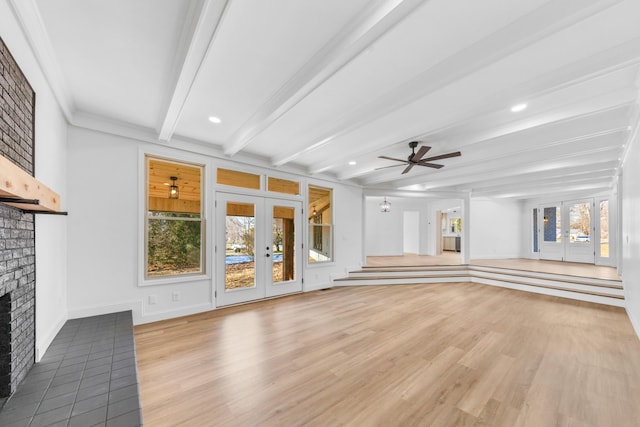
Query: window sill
point(168, 280)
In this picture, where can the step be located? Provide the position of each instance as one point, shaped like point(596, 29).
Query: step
point(606, 283)
point(602, 291)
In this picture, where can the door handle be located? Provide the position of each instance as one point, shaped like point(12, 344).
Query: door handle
point(267, 255)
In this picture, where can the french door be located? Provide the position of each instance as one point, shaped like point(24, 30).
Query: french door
point(258, 248)
point(567, 231)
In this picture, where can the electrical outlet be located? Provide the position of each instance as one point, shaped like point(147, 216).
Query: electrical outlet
point(152, 299)
point(175, 296)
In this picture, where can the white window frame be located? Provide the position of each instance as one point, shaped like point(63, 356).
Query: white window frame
point(331, 226)
point(205, 237)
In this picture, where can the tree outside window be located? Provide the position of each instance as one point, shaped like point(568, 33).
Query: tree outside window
point(174, 218)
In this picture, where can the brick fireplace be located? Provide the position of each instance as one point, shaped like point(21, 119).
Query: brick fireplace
point(17, 231)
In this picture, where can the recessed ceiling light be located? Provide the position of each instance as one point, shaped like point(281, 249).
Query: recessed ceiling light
point(352, 163)
point(519, 107)
point(214, 119)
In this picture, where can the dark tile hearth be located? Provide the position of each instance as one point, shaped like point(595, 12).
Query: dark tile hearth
point(87, 377)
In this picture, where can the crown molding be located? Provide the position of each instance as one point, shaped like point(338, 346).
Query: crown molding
point(122, 129)
point(30, 20)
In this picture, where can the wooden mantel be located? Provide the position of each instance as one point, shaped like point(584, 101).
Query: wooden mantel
point(29, 193)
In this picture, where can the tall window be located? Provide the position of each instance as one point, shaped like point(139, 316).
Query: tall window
point(320, 224)
point(604, 228)
point(535, 229)
point(174, 219)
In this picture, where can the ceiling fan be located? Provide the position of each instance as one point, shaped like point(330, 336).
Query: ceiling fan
point(416, 159)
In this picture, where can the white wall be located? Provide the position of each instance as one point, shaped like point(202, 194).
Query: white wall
point(103, 234)
point(631, 232)
point(411, 232)
point(496, 229)
point(384, 235)
point(106, 183)
point(50, 168)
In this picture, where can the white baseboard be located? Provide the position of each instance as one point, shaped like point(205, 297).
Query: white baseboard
point(170, 314)
point(139, 314)
point(96, 310)
point(42, 344)
point(317, 287)
point(495, 256)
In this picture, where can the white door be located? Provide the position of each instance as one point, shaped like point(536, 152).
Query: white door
point(578, 231)
point(258, 248)
point(567, 231)
point(551, 242)
point(605, 232)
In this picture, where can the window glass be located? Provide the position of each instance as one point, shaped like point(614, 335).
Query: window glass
point(604, 229)
point(283, 186)
point(552, 224)
point(174, 219)
point(320, 224)
point(238, 179)
point(535, 230)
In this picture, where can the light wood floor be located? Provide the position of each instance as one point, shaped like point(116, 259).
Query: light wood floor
point(429, 355)
point(452, 258)
point(412, 260)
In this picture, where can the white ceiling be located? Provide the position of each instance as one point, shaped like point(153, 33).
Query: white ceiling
point(316, 84)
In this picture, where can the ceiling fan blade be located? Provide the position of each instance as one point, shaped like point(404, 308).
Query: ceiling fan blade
point(391, 158)
point(430, 165)
point(421, 152)
point(408, 168)
point(387, 167)
point(442, 156)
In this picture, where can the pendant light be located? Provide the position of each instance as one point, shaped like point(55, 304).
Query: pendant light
point(385, 206)
point(173, 189)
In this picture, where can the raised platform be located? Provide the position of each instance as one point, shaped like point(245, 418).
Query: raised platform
point(87, 377)
point(595, 284)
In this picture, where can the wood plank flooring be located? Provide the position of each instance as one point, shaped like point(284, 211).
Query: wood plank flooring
point(455, 354)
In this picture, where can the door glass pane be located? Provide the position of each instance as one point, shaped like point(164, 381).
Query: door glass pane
point(579, 223)
point(535, 230)
point(283, 244)
point(552, 224)
point(604, 229)
point(240, 271)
